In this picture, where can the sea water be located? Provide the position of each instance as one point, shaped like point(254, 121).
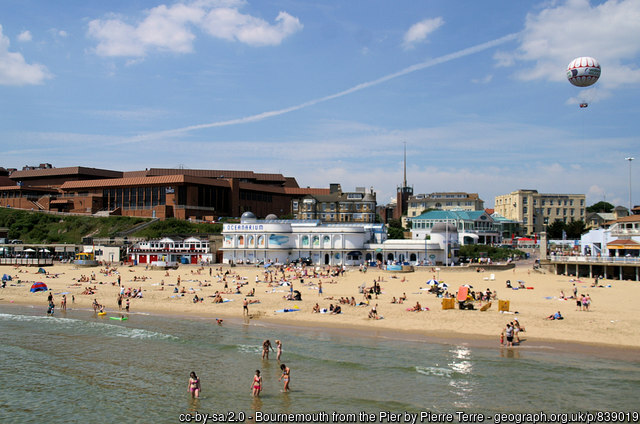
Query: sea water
point(77, 367)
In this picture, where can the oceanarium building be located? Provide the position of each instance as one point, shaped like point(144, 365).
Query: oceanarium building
point(271, 240)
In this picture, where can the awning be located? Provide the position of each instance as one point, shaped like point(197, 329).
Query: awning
point(624, 244)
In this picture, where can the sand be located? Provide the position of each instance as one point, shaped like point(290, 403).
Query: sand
point(613, 320)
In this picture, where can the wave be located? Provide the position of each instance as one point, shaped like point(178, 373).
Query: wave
point(80, 326)
point(435, 371)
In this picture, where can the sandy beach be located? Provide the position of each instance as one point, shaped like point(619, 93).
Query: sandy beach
point(613, 318)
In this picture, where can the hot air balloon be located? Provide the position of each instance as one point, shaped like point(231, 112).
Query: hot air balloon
point(583, 71)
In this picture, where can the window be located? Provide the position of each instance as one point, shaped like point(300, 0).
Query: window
point(524, 209)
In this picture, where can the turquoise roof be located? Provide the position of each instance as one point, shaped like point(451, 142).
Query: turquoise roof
point(452, 215)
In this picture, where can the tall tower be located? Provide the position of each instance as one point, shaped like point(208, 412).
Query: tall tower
point(403, 193)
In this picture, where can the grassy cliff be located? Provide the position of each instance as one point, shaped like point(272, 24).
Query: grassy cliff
point(37, 227)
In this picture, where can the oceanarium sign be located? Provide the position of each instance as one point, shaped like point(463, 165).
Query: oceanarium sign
point(243, 227)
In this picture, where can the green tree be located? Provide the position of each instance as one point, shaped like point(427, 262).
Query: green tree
point(554, 231)
point(575, 229)
point(600, 207)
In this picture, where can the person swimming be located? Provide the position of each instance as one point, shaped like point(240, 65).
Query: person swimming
point(256, 384)
point(286, 377)
point(194, 385)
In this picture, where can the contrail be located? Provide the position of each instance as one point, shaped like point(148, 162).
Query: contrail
point(264, 115)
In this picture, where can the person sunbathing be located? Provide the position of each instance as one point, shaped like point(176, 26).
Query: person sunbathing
point(555, 316)
point(417, 308)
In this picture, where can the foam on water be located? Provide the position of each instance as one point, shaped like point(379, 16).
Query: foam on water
point(82, 326)
point(435, 371)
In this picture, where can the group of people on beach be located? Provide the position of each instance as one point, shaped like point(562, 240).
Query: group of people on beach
point(511, 333)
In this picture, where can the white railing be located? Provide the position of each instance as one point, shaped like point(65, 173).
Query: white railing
point(594, 259)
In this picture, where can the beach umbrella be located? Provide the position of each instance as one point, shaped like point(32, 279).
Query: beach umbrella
point(467, 285)
point(29, 250)
point(39, 286)
point(443, 286)
point(432, 282)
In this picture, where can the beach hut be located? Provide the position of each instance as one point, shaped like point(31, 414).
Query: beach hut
point(39, 286)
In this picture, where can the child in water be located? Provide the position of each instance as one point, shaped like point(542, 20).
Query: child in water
point(194, 385)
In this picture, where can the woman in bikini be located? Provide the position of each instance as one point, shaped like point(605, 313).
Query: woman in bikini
point(194, 385)
point(286, 377)
point(256, 384)
point(279, 345)
point(266, 345)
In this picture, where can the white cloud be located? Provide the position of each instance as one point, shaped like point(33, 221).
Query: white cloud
point(24, 36)
point(14, 70)
point(553, 37)
point(419, 31)
point(170, 28)
point(230, 24)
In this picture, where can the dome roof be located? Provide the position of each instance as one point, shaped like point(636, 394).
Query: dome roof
point(271, 216)
point(441, 227)
point(248, 216)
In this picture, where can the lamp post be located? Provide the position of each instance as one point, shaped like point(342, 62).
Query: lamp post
point(426, 257)
point(630, 204)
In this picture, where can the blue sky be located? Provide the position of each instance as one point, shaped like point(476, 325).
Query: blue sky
point(329, 91)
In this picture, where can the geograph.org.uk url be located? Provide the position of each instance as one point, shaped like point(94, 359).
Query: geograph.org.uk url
point(387, 417)
point(566, 418)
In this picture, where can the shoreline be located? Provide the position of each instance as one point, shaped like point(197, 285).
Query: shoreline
point(600, 350)
point(611, 323)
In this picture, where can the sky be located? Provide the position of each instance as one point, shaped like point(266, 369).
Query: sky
point(329, 91)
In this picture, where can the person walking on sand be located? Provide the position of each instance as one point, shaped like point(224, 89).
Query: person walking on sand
point(286, 377)
point(266, 345)
point(279, 344)
point(256, 384)
point(319, 288)
point(194, 385)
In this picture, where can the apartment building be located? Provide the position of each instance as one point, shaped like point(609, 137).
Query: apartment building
point(537, 210)
point(337, 206)
point(444, 201)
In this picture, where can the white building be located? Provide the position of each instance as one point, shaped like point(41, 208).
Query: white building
point(171, 251)
point(279, 241)
point(620, 239)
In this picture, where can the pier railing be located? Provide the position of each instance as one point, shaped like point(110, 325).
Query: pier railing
point(595, 259)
